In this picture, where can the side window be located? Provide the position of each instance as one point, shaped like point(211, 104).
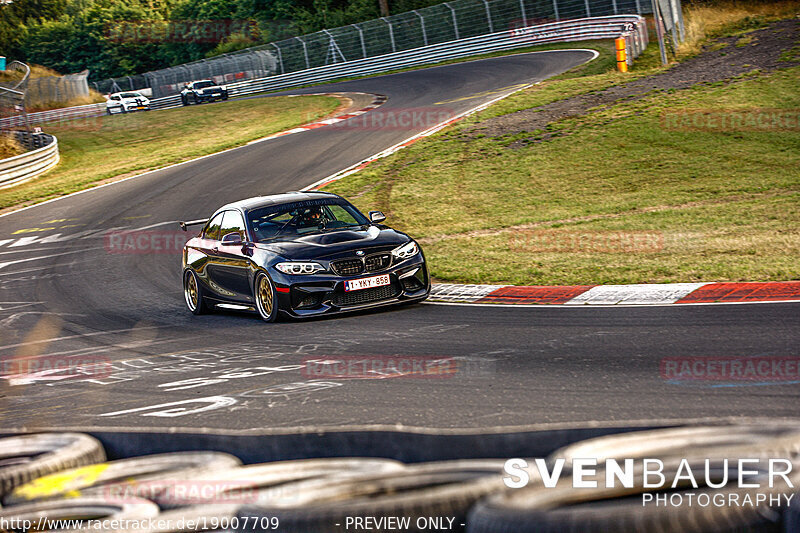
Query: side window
point(232, 223)
point(341, 214)
point(115, 97)
point(212, 228)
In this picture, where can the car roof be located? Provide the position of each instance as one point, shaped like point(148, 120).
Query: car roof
point(276, 199)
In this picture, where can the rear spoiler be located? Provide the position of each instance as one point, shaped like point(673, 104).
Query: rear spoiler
point(188, 223)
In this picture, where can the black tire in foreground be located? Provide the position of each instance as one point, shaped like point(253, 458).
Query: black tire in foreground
point(74, 509)
point(440, 493)
point(635, 508)
point(28, 457)
point(145, 474)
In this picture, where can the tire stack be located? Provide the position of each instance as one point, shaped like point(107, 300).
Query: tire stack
point(67, 476)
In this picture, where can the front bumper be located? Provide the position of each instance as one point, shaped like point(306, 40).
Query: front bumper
point(322, 294)
point(213, 96)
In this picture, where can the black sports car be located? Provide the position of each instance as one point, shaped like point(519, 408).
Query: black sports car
point(300, 253)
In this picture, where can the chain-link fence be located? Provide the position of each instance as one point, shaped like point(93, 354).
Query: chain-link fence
point(12, 91)
point(55, 89)
point(440, 23)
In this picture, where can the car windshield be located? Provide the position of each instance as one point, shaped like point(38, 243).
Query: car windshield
point(203, 84)
point(299, 218)
point(131, 95)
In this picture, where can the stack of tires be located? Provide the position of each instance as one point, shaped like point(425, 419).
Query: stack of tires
point(66, 476)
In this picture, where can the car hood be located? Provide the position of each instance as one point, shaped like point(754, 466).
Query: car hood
point(328, 244)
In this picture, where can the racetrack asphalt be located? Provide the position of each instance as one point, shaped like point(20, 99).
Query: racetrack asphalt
point(145, 361)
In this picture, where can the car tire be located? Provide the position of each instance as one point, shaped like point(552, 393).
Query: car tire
point(415, 492)
point(82, 508)
point(267, 479)
point(195, 100)
point(194, 294)
point(184, 100)
point(265, 297)
point(225, 96)
point(120, 477)
point(27, 457)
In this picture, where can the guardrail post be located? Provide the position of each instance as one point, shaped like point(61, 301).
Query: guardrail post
point(522, 12)
point(489, 16)
point(455, 22)
point(614, 6)
point(391, 33)
point(638, 7)
point(677, 28)
point(361, 35)
point(659, 32)
point(305, 51)
point(422, 25)
point(555, 10)
point(280, 56)
point(588, 12)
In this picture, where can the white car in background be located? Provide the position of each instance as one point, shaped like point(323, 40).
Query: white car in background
point(126, 102)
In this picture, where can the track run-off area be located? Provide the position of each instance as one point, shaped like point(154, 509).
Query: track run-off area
point(67, 295)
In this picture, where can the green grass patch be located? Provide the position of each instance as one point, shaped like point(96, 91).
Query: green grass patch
point(725, 202)
point(98, 149)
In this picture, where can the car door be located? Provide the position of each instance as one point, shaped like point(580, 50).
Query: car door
point(208, 246)
point(230, 264)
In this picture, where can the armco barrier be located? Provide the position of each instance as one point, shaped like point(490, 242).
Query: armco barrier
point(632, 27)
point(30, 164)
point(409, 445)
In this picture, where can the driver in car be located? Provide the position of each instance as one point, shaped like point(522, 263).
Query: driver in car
point(312, 217)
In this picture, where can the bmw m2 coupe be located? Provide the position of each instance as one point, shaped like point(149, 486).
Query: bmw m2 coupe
point(301, 254)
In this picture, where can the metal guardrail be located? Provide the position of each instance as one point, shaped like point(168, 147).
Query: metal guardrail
point(632, 27)
point(29, 165)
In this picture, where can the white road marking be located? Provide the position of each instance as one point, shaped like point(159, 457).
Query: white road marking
point(40, 257)
point(177, 409)
point(81, 335)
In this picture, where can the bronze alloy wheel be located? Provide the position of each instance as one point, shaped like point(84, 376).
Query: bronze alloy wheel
point(193, 294)
point(265, 298)
point(191, 291)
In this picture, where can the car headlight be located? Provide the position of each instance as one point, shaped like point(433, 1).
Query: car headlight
point(409, 249)
point(299, 267)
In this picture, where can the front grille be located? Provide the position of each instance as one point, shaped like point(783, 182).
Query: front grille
point(377, 262)
point(347, 267)
point(365, 295)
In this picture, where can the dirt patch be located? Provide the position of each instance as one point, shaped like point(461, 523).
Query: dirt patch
point(719, 60)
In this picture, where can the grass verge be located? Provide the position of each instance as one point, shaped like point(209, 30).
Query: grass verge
point(620, 196)
point(9, 147)
point(99, 149)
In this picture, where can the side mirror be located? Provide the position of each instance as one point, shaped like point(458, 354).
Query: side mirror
point(232, 239)
point(376, 216)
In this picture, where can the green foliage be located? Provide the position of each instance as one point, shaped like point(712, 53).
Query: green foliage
point(73, 35)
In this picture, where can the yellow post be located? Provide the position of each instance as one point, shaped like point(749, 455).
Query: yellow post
point(622, 55)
